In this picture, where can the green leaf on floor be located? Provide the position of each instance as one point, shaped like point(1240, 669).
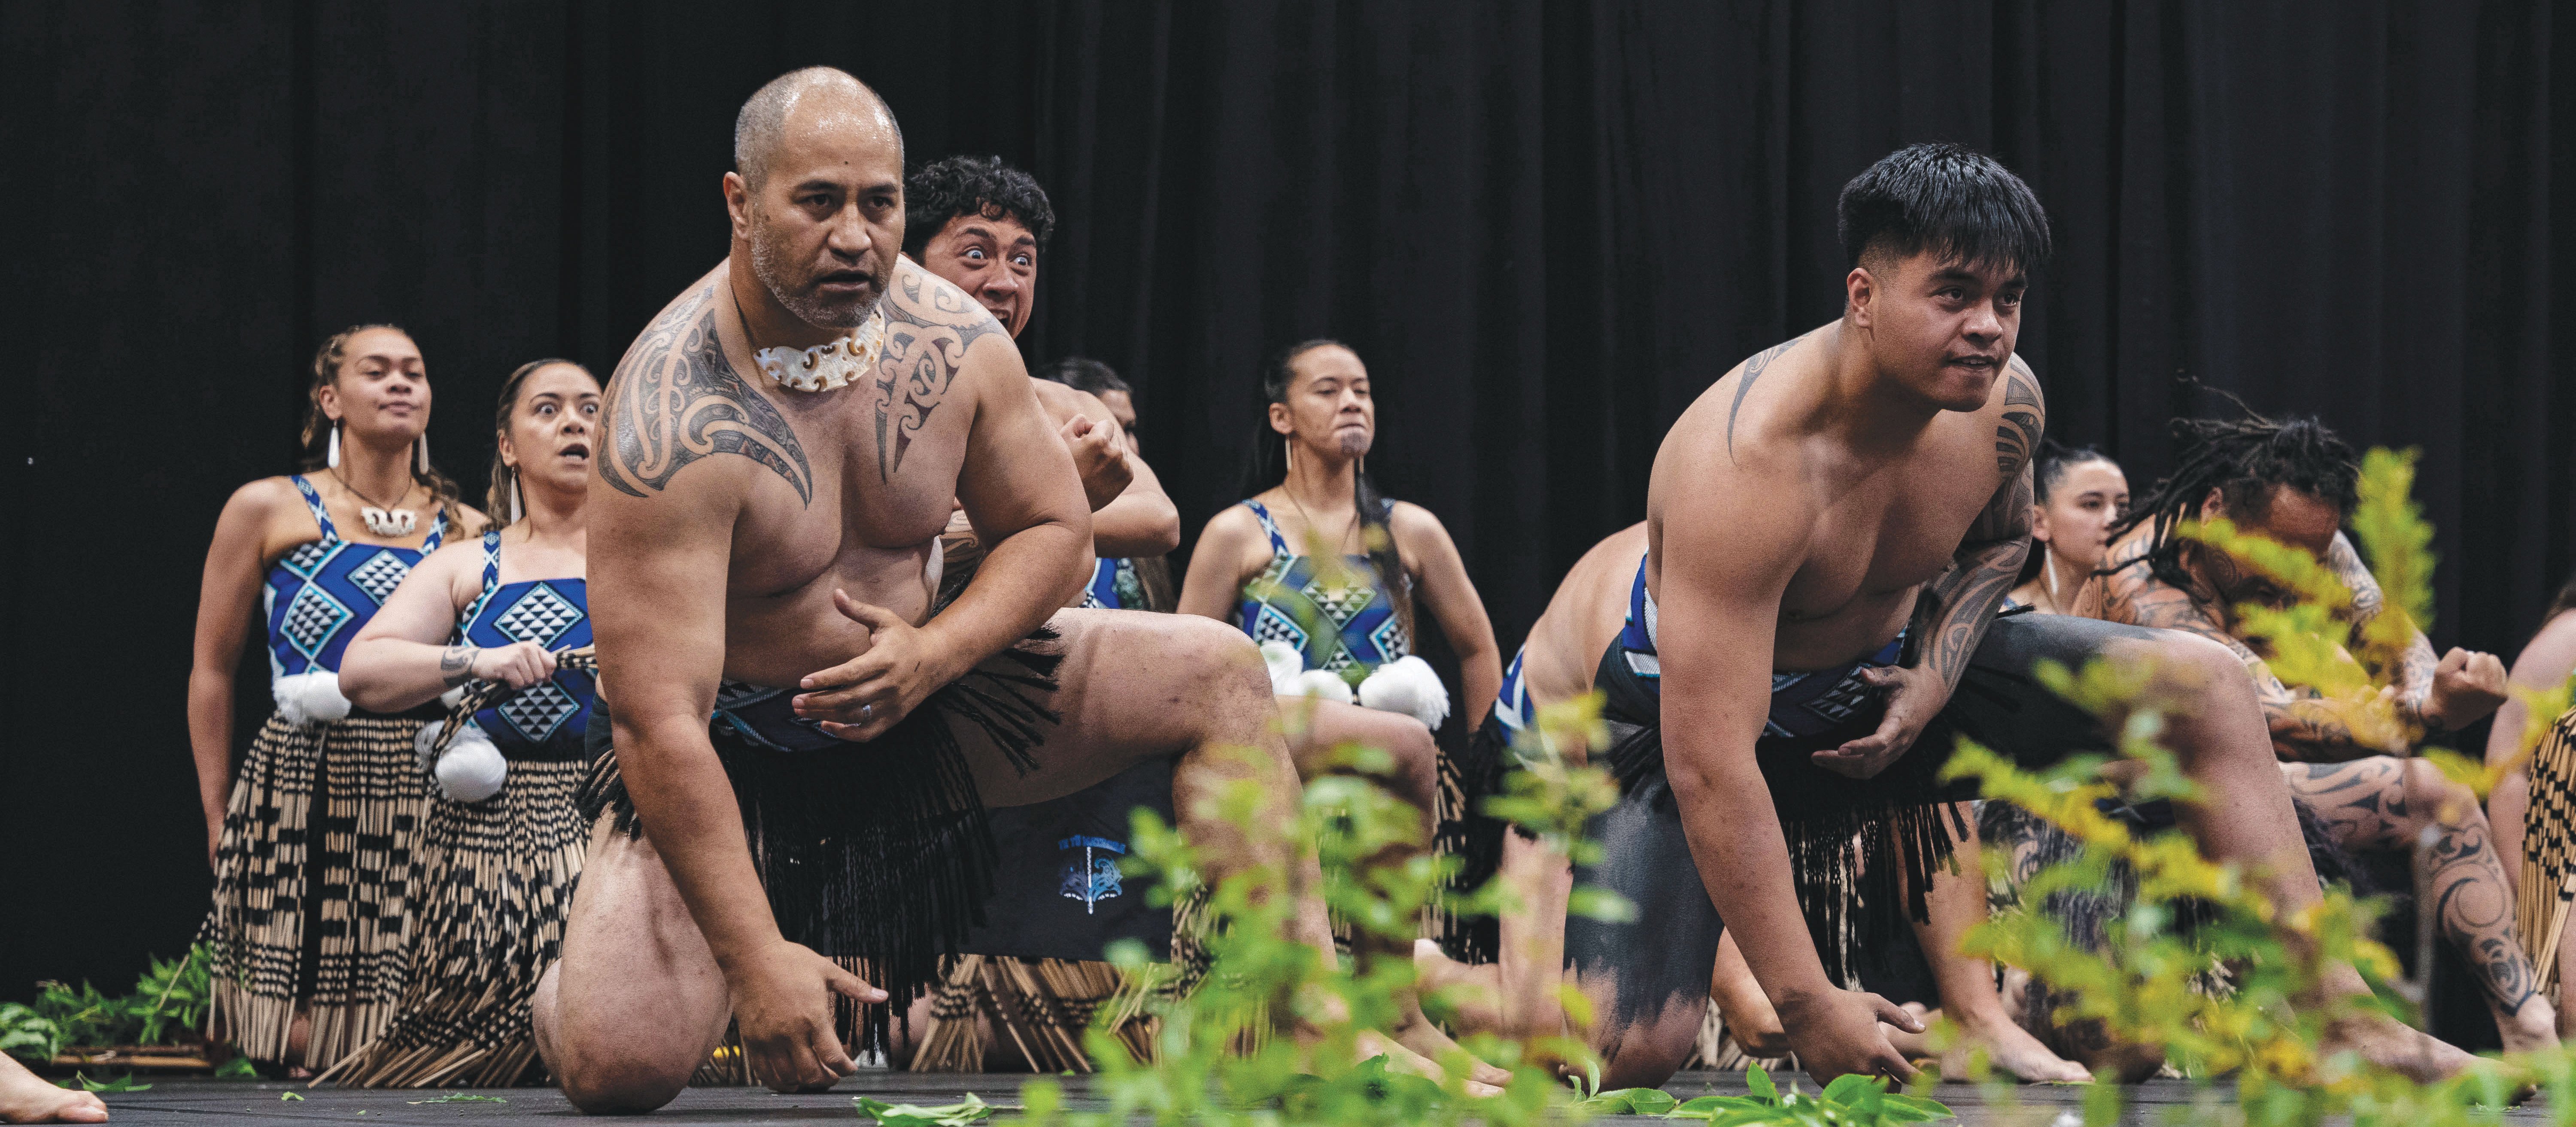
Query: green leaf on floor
point(283, 1097)
point(971, 1110)
point(123, 1083)
point(462, 1098)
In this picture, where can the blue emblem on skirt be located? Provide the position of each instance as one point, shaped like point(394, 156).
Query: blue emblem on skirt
point(1092, 875)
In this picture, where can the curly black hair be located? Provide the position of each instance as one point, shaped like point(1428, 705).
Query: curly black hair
point(1083, 373)
point(1949, 199)
point(945, 189)
point(2244, 460)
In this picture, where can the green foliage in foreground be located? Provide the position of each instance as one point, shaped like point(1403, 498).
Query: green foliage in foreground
point(2151, 985)
point(962, 1114)
point(1848, 1101)
point(172, 998)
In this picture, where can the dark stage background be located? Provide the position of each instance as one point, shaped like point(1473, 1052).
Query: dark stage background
point(1546, 226)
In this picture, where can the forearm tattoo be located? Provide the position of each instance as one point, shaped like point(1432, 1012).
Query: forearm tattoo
point(2304, 726)
point(675, 399)
point(929, 326)
point(2414, 672)
point(456, 665)
point(1955, 609)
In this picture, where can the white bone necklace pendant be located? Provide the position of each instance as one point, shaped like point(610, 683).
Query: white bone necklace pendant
point(839, 363)
point(389, 523)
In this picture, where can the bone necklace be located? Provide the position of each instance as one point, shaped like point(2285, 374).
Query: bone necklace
point(392, 524)
point(836, 363)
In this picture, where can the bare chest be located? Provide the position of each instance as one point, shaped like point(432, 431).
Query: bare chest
point(1876, 541)
point(883, 473)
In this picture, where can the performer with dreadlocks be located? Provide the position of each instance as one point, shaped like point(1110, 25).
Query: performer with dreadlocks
point(2295, 482)
point(798, 757)
point(504, 839)
point(1831, 528)
point(311, 841)
point(1325, 573)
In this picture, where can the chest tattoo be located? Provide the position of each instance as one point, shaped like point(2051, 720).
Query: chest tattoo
point(928, 329)
point(675, 399)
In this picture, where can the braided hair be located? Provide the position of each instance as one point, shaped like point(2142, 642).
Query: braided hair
point(1269, 466)
point(2048, 471)
point(317, 426)
point(2244, 460)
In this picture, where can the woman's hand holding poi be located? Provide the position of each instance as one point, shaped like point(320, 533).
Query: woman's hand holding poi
point(861, 698)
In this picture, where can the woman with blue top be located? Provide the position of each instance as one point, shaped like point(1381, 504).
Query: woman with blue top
point(499, 625)
point(1326, 575)
point(311, 837)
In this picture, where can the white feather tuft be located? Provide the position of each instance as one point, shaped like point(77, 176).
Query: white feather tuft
point(1284, 662)
point(1407, 685)
point(1323, 684)
point(471, 769)
point(310, 698)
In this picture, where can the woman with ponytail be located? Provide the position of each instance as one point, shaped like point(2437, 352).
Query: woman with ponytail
point(311, 839)
point(1326, 574)
point(497, 630)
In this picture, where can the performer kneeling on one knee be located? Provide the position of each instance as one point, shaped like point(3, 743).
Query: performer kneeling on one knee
point(799, 757)
point(1831, 528)
point(311, 841)
point(504, 839)
point(2295, 482)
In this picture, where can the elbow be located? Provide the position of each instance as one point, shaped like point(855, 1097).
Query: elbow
point(1165, 536)
point(361, 682)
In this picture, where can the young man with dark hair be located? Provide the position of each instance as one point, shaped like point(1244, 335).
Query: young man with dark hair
point(1830, 530)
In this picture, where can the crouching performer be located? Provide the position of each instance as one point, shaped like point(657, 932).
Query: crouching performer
point(1831, 528)
point(802, 756)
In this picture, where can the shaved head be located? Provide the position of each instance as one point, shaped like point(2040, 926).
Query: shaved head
point(824, 95)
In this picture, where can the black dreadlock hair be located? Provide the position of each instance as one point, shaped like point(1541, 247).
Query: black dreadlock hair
point(2047, 470)
point(2244, 460)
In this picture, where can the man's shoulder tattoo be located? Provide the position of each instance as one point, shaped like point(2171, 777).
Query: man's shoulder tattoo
point(1752, 371)
point(675, 399)
point(2019, 434)
point(929, 326)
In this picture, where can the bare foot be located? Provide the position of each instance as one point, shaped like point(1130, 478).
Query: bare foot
point(1402, 1059)
point(2011, 1049)
point(1474, 990)
point(2532, 1028)
point(27, 1098)
point(2381, 1040)
point(1416, 1031)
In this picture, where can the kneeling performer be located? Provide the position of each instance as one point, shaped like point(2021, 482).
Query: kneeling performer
point(783, 445)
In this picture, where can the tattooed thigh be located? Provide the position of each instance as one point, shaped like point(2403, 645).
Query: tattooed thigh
point(2361, 802)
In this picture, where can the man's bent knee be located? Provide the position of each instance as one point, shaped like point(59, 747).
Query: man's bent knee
point(620, 1088)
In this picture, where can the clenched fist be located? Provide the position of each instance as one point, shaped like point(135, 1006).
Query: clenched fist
point(2467, 685)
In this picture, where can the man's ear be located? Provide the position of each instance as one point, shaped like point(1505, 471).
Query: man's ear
point(1858, 288)
point(2214, 505)
point(738, 204)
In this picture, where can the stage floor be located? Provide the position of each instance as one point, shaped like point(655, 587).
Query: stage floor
point(194, 1101)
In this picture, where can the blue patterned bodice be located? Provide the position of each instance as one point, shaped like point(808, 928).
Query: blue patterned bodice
point(1348, 630)
point(320, 594)
point(545, 721)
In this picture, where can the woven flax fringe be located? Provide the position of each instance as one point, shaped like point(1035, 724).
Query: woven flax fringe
point(312, 897)
point(1038, 1008)
point(2549, 852)
point(496, 878)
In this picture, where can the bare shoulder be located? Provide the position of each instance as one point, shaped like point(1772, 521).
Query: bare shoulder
point(1231, 526)
point(2550, 656)
point(929, 319)
point(1409, 521)
point(453, 565)
point(675, 401)
point(258, 500)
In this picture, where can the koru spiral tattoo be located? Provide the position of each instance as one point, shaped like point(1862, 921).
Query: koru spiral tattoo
point(675, 399)
point(929, 326)
point(456, 665)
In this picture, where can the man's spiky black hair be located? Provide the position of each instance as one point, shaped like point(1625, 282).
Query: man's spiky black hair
point(945, 189)
point(1948, 199)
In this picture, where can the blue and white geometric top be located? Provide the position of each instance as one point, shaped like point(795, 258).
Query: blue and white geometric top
point(319, 595)
point(545, 721)
point(1349, 630)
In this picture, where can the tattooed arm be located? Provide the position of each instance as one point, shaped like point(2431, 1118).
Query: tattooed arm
point(2305, 728)
point(1952, 611)
point(2443, 695)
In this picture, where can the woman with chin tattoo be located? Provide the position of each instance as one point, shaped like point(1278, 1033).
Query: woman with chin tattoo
point(498, 629)
point(311, 839)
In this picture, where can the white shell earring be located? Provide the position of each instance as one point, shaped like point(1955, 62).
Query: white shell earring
point(420, 454)
point(332, 459)
point(517, 511)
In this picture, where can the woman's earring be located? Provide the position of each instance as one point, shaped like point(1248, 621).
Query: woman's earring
point(1288, 453)
point(517, 511)
point(333, 458)
point(420, 454)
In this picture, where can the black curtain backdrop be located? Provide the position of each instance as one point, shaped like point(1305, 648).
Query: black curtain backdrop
point(1545, 226)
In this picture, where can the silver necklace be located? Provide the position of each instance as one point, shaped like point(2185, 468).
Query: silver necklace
point(390, 523)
